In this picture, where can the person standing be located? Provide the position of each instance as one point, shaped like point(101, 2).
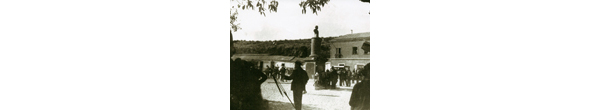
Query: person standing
point(343, 75)
point(352, 79)
point(348, 78)
point(334, 78)
point(355, 76)
point(359, 76)
point(255, 77)
point(325, 78)
point(268, 71)
point(276, 73)
point(282, 72)
point(316, 77)
point(330, 77)
point(299, 79)
point(360, 97)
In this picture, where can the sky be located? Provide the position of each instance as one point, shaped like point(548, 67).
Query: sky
point(336, 18)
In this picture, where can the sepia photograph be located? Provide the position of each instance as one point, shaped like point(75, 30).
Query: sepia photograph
point(299, 55)
point(292, 54)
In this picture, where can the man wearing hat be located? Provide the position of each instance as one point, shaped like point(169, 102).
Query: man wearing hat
point(299, 79)
point(360, 99)
point(282, 72)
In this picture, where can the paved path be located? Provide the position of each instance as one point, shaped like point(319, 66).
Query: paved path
point(322, 99)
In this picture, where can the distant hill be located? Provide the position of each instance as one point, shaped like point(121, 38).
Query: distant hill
point(297, 47)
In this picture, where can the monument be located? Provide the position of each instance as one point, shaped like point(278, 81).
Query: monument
point(315, 48)
point(315, 44)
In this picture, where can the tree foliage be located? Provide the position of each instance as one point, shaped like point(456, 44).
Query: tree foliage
point(297, 48)
point(271, 6)
point(261, 5)
point(314, 5)
point(232, 23)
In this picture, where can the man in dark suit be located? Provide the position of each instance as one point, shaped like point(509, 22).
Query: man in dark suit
point(333, 77)
point(276, 72)
point(324, 78)
point(282, 72)
point(299, 79)
point(360, 99)
point(343, 75)
point(253, 80)
point(268, 71)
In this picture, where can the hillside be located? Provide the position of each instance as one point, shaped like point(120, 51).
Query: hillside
point(297, 47)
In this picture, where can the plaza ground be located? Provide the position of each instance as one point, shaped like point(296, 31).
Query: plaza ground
point(321, 99)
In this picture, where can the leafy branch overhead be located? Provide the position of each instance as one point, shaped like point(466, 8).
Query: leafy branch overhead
point(271, 6)
point(232, 19)
point(314, 5)
point(261, 5)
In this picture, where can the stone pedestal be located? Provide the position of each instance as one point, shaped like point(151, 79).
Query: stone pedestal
point(315, 46)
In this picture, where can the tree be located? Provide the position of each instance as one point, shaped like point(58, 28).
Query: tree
point(314, 5)
point(304, 51)
point(262, 6)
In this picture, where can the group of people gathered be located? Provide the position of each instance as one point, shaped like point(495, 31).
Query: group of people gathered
point(345, 77)
point(245, 85)
point(277, 72)
point(246, 79)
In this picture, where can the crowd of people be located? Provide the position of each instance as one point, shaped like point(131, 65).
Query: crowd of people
point(277, 72)
point(246, 79)
point(345, 77)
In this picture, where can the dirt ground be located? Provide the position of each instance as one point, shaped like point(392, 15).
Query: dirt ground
point(314, 99)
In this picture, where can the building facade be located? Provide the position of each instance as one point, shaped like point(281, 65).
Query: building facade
point(346, 51)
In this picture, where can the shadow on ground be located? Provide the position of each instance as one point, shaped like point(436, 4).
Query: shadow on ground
point(326, 95)
point(276, 105)
point(289, 82)
point(336, 89)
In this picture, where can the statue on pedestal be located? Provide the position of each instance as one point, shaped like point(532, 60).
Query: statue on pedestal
point(315, 43)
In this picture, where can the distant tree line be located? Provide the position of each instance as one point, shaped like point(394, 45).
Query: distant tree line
point(297, 48)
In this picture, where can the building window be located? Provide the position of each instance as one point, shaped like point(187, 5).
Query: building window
point(338, 53)
point(365, 52)
point(354, 50)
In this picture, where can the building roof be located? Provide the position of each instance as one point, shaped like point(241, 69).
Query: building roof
point(267, 57)
point(365, 36)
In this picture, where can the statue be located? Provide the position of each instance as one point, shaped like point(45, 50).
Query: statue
point(316, 31)
point(315, 43)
